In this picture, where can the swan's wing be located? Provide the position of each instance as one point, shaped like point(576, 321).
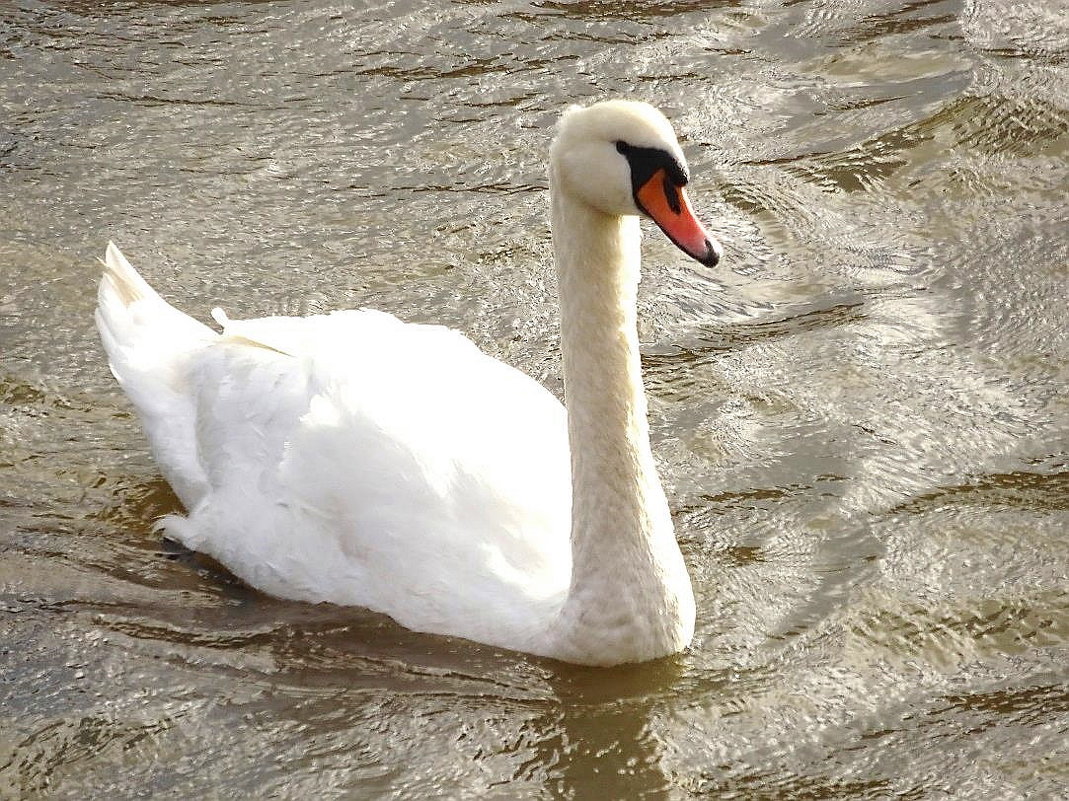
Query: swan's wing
point(356, 459)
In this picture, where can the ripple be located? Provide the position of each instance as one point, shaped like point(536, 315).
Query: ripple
point(1018, 30)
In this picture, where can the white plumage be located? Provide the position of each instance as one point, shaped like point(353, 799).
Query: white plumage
point(356, 459)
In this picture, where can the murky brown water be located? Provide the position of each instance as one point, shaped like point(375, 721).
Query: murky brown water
point(861, 417)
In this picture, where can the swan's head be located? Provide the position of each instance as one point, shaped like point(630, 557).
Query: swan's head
point(622, 158)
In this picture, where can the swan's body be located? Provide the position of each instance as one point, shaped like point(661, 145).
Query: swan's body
point(356, 459)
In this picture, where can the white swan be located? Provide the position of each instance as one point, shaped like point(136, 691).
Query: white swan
point(355, 459)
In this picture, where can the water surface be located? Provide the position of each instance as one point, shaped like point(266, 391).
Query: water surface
point(860, 416)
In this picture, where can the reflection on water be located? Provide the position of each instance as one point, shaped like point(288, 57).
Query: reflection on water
point(860, 418)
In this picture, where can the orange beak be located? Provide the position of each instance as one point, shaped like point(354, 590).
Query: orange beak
point(668, 206)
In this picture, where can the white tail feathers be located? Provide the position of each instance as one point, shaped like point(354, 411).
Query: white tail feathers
point(150, 344)
point(122, 279)
point(138, 327)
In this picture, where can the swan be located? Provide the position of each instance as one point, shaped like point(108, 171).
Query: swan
point(355, 459)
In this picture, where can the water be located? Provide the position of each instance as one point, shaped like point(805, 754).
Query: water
point(860, 417)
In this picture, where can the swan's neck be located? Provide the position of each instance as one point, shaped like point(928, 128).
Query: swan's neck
point(630, 596)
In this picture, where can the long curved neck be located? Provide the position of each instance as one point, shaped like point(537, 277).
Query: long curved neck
point(630, 596)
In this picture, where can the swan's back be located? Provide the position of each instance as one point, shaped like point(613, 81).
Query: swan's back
point(356, 459)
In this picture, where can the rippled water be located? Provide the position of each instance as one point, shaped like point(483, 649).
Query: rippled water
point(861, 416)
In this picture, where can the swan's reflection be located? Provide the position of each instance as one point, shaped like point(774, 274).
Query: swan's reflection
point(596, 738)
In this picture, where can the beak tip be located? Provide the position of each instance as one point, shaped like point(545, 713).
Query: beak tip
point(713, 252)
